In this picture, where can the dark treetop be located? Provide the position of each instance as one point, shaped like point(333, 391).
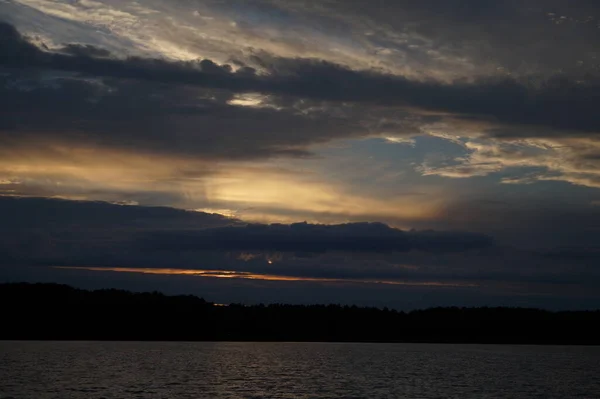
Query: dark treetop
point(60, 312)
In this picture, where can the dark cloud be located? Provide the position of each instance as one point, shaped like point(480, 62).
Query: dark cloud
point(84, 50)
point(129, 104)
point(556, 103)
point(54, 231)
point(61, 231)
point(155, 118)
point(20, 213)
point(543, 223)
point(17, 52)
point(39, 233)
point(304, 237)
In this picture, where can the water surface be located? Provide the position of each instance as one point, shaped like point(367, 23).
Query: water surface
point(127, 370)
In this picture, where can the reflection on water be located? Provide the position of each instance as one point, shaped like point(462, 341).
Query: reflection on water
point(93, 370)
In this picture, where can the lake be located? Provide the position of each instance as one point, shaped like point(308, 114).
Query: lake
point(127, 370)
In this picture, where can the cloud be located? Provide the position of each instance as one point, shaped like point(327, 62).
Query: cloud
point(150, 107)
point(172, 230)
point(304, 237)
point(51, 232)
point(233, 30)
point(257, 192)
point(471, 37)
point(131, 115)
point(231, 274)
point(21, 214)
point(61, 232)
point(124, 105)
point(84, 50)
point(434, 38)
point(122, 109)
point(87, 237)
point(81, 99)
point(556, 103)
point(571, 159)
point(555, 219)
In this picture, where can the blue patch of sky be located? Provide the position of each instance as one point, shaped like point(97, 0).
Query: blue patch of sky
point(365, 164)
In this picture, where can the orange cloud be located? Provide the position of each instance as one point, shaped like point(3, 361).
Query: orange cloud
point(232, 274)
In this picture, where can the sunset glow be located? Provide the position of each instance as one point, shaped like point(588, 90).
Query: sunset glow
point(228, 274)
point(375, 152)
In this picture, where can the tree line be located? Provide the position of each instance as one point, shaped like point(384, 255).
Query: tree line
point(60, 312)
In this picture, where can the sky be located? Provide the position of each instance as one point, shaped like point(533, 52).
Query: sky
point(383, 152)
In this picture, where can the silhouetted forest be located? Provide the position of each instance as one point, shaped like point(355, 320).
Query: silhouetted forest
point(60, 312)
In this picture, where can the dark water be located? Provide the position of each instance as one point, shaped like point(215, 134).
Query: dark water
point(88, 370)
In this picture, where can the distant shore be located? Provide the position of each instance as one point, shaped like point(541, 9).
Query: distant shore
point(60, 312)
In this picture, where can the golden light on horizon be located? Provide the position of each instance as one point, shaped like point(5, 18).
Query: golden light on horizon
point(243, 275)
